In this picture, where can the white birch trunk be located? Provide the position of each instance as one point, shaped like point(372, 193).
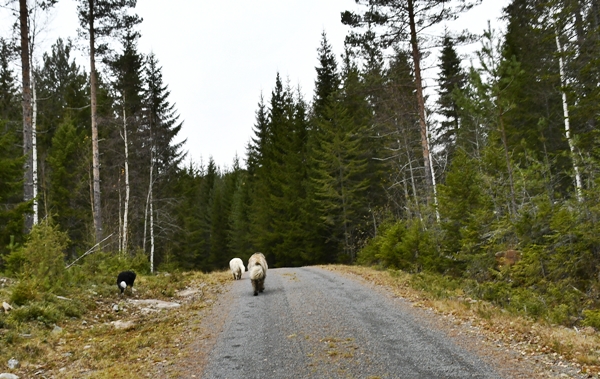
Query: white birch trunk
point(126, 210)
point(412, 178)
point(149, 205)
point(120, 215)
point(34, 153)
point(433, 182)
point(578, 185)
point(151, 234)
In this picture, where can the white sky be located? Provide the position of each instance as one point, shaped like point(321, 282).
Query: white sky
point(218, 56)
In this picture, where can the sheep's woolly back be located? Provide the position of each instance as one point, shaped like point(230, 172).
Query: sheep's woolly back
point(257, 268)
point(258, 259)
point(257, 272)
point(237, 268)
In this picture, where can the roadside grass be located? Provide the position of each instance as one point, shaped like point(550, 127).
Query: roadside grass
point(75, 335)
point(446, 296)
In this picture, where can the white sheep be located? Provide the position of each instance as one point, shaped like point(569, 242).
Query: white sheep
point(237, 268)
point(257, 268)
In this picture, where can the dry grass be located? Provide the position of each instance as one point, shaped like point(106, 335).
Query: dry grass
point(92, 347)
point(581, 347)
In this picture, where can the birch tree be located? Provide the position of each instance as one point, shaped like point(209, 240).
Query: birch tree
point(98, 19)
point(26, 105)
point(578, 184)
point(128, 83)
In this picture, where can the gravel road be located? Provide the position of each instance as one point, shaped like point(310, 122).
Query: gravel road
point(313, 323)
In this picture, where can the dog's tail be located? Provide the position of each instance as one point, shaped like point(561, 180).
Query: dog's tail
point(256, 272)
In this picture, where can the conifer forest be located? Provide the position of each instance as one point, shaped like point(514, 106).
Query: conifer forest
point(490, 172)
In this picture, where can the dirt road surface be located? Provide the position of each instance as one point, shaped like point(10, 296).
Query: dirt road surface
point(314, 323)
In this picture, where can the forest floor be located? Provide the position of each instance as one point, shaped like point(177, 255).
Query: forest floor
point(144, 333)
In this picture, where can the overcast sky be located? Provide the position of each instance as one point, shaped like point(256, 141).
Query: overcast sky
point(217, 57)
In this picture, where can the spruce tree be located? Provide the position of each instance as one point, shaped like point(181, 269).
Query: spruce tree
point(535, 123)
point(339, 180)
point(328, 79)
point(266, 186)
point(12, 206)
point(184, 244)
point(159, 128)
point(68, 189)
point(125, 144)
point(451, 77)
point(9, 106)
point(291, 207)
point(62, 88)
point(355, 94)
point(204, 208)
point(240, 241)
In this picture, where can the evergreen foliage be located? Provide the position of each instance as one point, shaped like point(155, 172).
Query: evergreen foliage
point(68, 162)
point(341, 177)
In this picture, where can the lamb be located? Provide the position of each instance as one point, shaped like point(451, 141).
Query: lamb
point(124, 279)
point(257, 268)
point(237, 268)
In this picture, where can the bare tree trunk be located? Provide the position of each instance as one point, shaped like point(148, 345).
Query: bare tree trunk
point(95, 152)
point(412, 177)
point(433, 183)
point(120, 215)
point(149, 205)
point(34, 154)
point(420, 98)
point(26, 104)
point(126, 210)
point(151, 234)
point(578, 183)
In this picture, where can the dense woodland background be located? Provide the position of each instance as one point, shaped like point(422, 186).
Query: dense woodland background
point(492, 175)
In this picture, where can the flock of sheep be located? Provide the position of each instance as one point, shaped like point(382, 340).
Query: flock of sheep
point(257, 269)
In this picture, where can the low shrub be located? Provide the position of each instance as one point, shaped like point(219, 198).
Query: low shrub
point(48, 314)
point(591, 318)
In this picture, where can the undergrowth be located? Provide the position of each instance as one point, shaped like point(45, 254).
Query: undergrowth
point(61, 317)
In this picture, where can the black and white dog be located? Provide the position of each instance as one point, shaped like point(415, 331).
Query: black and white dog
point(124, 279)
